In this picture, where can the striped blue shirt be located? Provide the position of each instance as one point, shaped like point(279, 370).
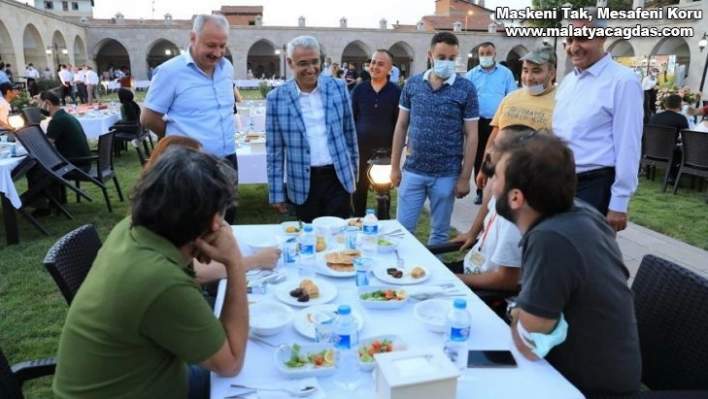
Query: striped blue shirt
point(436, 129)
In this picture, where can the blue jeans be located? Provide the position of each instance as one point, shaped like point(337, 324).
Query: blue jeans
point(413, 192)
point(199, 382)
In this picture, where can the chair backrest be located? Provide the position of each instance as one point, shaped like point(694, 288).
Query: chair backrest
point(695, 148)
point(32, 115)
point(658, 142)
point(10, 387)
point(105, 152)
point(70, 259)
point(670, 304)
point(36, 143)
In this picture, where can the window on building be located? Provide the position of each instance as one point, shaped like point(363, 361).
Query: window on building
point(252, 23)
point(75, 6)
point(65, 5)
point(48, 5)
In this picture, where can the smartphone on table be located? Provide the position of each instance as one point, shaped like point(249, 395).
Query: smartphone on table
point(490, 359)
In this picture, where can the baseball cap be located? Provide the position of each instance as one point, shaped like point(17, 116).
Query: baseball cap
point(7, 86)
point(541, 55)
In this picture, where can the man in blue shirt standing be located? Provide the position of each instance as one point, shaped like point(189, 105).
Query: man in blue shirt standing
point(439, 111)
point(375, 108)
point(493, 82)
point(192, 95)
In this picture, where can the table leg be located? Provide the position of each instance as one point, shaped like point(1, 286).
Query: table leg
point(8, 211)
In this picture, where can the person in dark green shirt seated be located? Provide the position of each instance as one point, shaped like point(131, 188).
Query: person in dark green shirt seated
point(139, 319)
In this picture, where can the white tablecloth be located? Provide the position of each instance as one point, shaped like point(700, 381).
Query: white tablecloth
point(254, 83)
point(246, 115)
point(93, 127)
point(251, 164)
point(7, 186)
point(528, 380)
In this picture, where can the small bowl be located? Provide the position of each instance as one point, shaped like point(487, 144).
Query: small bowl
point(269, 318)
point(283, 354)
point(396, 342)
point(384, 305)
point(432, 313)
point(288, 226)
point(386, 245)
point(260, 242)
point(5, 154)
point(328, 225)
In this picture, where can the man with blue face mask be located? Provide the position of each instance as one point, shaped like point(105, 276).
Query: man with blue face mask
point(575, 308)
point(493, 82)
point(439, 112)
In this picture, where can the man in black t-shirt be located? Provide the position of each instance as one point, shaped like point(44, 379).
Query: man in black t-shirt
point(671, 116)
point(351, 76)
point(575, 308)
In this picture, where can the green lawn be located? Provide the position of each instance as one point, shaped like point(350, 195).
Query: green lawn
point(32, 310)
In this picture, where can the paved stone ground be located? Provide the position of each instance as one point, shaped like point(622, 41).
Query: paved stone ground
point(635, 241)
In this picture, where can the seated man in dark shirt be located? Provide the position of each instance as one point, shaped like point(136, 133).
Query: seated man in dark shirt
point(575, 308)
point(671, 116)
point(67, 135)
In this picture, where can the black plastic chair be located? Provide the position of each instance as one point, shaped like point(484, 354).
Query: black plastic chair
point(32, 115)
point(69, 259)
point(102, 172)
point(56, 169)
point(12, 377)
point(495, 299)
point(694, 160)
point(127, 132)
point(658, 145)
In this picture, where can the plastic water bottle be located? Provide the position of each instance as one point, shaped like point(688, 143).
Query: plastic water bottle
point(457, 332)
point(346, 342)
point(308, 242)
point(251, 127)
point(76, 109)
point(370, 233)
point(362, 267)
point(113, 107)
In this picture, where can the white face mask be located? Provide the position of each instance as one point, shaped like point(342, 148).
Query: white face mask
point(486, 61)
point(534, 90)
point(444, 68)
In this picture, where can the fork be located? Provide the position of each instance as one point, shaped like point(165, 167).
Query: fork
point(399, 262)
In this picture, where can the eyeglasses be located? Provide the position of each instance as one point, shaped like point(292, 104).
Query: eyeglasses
point(305, 64)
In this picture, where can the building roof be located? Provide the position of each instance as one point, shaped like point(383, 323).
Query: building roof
point(146, 22)
point(474, 22)
point(242, 10)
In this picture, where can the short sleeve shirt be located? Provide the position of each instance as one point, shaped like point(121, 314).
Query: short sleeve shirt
point(68, 135)
point(436, 128)
point(521, 108)
point(375, 114)
point(498, 243)
point(136, 323)
point(199, 106)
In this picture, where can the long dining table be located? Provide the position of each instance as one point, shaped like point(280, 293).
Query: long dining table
point(488, 332)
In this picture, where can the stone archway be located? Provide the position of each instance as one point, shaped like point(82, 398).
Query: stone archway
point(60, 49)
point(110, 53)
point(473, 57)
point(669, 56)
point(227, 55)
point(34, 50)
point(513, 61)
point(403, 57)
point(160, 51)
point(356, 52)
point(79, 51)
point(7, 50)
point(262, 60)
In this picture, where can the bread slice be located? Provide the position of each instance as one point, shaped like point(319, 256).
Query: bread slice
point(310, 288)
point(417, 272)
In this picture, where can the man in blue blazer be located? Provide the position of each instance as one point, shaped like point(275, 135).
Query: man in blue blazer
point(310, 134)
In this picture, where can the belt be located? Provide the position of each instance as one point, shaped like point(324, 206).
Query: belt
point(321, 169)
point(596, 173)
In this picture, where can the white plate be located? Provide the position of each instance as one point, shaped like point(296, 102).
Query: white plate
point(370, 304)
point(283, 355)
point(304, 325)
point(322, 268)
point(397, 342)
point(380, 273)
point(327, 292)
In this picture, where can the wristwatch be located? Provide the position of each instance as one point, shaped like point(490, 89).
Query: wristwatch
point(512, 305)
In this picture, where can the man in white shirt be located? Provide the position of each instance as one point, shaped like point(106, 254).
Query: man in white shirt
point(32, 75)
point(91, 80)
point(598, 112)
point(9, 92)
point(650, 85)
point(80, 85)
point(65, 78)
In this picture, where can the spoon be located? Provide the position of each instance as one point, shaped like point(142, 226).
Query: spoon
point(298, 393)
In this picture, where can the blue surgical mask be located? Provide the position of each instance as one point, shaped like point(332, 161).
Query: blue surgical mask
point(543, 343)
point(486, 61)
point(534, 90)
point(444, 68)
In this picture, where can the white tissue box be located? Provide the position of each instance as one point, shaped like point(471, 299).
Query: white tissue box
point(420, 373)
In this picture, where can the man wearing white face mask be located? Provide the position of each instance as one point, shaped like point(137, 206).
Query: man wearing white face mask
point(532, 106)
point(493, 82)
point(442, 110)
